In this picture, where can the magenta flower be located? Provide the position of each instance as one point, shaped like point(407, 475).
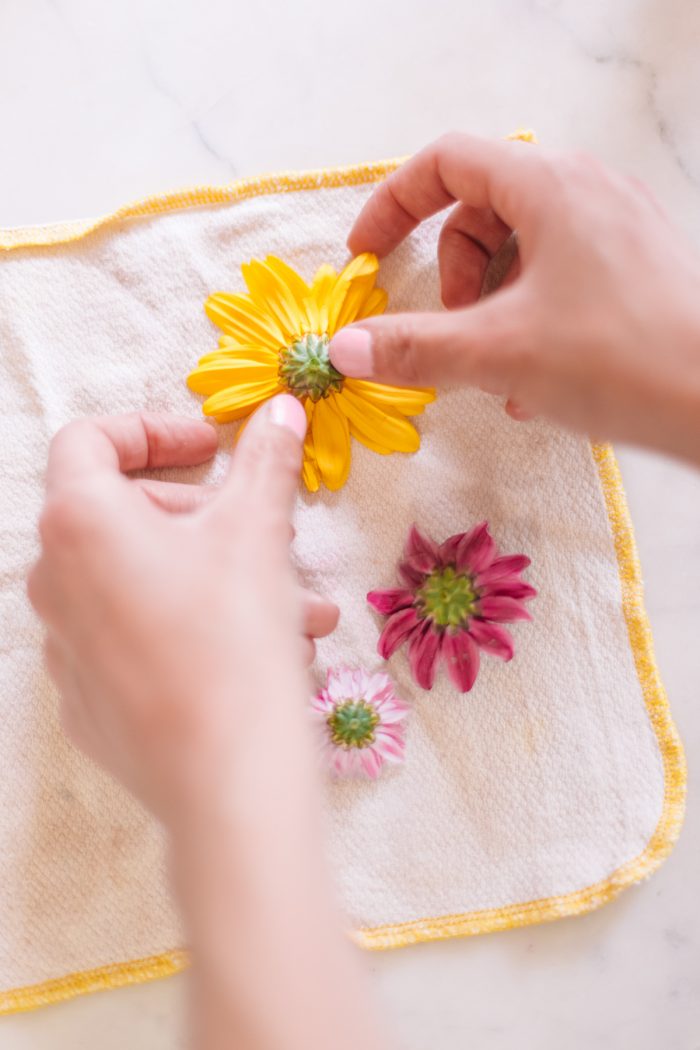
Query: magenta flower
point(361, 718)
point(455, 599)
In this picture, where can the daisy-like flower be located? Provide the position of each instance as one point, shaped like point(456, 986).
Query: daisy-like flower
point(455, 598)
point(361, 722)
point(276, 340)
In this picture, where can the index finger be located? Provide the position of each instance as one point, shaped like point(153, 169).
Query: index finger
point(482, 173)
point(116, 444)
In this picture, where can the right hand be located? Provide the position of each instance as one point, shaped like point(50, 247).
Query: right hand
point(597, 324)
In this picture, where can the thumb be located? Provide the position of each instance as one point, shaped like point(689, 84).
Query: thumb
point(264, 474)
point(423, 349)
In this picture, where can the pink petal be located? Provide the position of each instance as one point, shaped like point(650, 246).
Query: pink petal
point(512, 588)
point(492, 637)
point(423, 653)
point(390, 746)
point(396, 630)
point(477, 549)
point(508, 565)
point(461, 656)
point(321, 704)
point(371, 762)
point(502, 607)
point(340, 684)
point(391, 711)
point(420, 552)
point(343, 761)
point(378, 686)
point(387, 602)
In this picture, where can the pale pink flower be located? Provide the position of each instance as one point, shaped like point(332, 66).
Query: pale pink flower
point(455, 597)
point(361, 722)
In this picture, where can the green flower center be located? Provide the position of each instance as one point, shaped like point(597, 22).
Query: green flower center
point(447, 597)
point(352, 724)
point(306, 369)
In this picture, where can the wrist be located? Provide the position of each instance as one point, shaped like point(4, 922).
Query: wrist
point(678, 389)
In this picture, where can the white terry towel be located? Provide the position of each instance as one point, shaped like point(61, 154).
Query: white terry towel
point(555, 783)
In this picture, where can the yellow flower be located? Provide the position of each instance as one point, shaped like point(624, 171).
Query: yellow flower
point(276, 340)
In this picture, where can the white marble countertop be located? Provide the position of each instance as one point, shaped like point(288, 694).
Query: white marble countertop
point(101, 103)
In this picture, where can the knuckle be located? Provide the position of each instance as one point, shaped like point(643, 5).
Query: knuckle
point(449, 141)
point(399, 354)
point(78, 428)
point(67, 518)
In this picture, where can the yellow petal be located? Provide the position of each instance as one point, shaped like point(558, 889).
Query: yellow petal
point(309, 474)
point(384, 426)
point(323, 282)
point(238, 316)
point(374, 304)
point(364, 265)
point(271, 293)
point(331, 438)
point(240, 398)
point(357, 304)
point(217, 375)
point(383, 450)
point(317, 304)
point(243, 353)
point(409, 401)
point(336, 305)
point(357, 280)
point(297, 286)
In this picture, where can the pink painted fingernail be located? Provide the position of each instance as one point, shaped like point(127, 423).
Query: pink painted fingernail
point(286, 411)
point(351, 352)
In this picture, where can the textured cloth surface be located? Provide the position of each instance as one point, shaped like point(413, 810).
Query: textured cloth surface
point(545, 780)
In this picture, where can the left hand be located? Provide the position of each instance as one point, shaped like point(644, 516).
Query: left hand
point(172, 635)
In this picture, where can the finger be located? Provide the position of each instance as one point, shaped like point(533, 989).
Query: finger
point(320, 617)
point(264, 474)
point(503, 176)
point(471, 345)
point(503, 268)
point(308, 651)
point(57, 664)
point(130, 442)
point(174, 497)
point(469, 239)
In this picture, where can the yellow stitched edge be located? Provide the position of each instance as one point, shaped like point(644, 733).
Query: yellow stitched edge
point(444, 926)
point(198, 196)
point(117, 975)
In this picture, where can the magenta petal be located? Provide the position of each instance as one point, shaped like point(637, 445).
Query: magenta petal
point(411, 576)
point(447, 551)
point(396, 630)
point(423, 653)
point(502, 607)
point(388, 601)
point(493, 638)
point(461, 656)
point(477, 550)
point(508, 565)
point(511, 588)
point(420, 552)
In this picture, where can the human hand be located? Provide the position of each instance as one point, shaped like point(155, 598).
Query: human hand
point(598, 321)
point(174, 637)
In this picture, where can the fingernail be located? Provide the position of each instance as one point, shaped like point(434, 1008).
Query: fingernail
point(286, 411)
point(351, 352)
